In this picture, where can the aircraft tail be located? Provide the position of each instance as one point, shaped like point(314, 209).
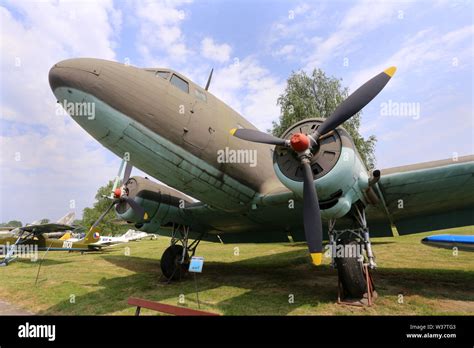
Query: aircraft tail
point(67, 219)
point(92, 236)
point(66, 236)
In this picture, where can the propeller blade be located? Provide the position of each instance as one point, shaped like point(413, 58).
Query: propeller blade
point(126, 174)
point(137, 208)
point(257, 137)
point(313, 228)
point(101, 217)
point(355, 102)
point(117, 178)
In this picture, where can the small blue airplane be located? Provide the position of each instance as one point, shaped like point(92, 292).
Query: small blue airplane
point(449, 241)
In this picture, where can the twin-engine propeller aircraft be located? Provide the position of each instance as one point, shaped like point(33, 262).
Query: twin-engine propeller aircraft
point(263, 189)
point(25, 241)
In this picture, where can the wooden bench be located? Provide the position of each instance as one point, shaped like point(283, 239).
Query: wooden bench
point(164, 308)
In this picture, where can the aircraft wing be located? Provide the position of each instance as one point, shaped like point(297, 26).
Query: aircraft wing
point(449, 241)
point(426, 197)
point(44, 228)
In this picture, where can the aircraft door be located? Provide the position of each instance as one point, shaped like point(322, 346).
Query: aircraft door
point(199, 131)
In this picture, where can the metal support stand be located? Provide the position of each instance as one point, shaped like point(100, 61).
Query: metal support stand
point(41, 262)
point(197, 291)
point(332, 240)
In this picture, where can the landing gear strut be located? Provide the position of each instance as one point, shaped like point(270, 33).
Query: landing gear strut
point(352, 255)
point(175, 259)
point(10, 251)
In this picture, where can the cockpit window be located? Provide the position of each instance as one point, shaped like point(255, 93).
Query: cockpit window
point(163, 74)
point(180, 83)
point(200, 95)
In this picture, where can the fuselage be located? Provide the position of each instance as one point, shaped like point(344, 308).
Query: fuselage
point(174, 130)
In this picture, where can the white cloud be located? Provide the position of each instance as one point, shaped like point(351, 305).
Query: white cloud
point(420, 52)
point(51, 170)
point(286, 51)
point(211, 50)
point(250, 89)
point(302, 33)
point(434, 139)
point(429, 63)
point(161, 40)
point(363, 17)
point(295, 25)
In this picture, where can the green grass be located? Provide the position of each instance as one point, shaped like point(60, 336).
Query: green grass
point(258, 281)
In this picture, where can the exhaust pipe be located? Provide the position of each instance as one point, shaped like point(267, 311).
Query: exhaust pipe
point(370, 194)
point(374, 178)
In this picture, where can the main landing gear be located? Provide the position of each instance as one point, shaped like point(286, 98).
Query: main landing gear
point(175, 259)
point(352, 255)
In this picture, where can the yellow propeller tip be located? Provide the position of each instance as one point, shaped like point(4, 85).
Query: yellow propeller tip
point(145, 216)
point(232, 131)
point(317, 258)
point(390, 71)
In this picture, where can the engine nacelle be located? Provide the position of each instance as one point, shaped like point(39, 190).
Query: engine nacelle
point(339, 175)
point(162, 204)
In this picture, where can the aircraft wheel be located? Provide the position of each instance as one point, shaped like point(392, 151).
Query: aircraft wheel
point(351, 274)
point(170, 262)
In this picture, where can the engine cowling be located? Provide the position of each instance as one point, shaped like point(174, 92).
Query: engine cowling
point(339, 175)
point(162, 204)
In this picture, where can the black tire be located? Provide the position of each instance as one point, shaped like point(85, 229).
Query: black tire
point(352, 276)
point(170, 262)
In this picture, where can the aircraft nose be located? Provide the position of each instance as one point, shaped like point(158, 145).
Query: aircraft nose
point(56, 77)
point(77, 73)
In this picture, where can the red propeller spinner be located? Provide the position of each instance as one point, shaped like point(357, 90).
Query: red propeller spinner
point(117, 192)
point(299, 142)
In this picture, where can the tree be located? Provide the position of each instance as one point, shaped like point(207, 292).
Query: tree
point(12, 223)
point(318, 96)
point(77, 222)
point(90, 215)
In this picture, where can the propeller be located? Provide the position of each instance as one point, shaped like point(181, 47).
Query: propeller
point(126, 176)
point(313, 227)
point(118, 197)
point(303, 145)
point(355, 102)
point(257, 136)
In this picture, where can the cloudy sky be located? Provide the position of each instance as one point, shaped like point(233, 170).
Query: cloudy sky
point(47, 160)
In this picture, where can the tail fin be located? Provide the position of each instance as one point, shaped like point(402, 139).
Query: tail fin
point(66, 236)
point(67, 219)
point(92, 236)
